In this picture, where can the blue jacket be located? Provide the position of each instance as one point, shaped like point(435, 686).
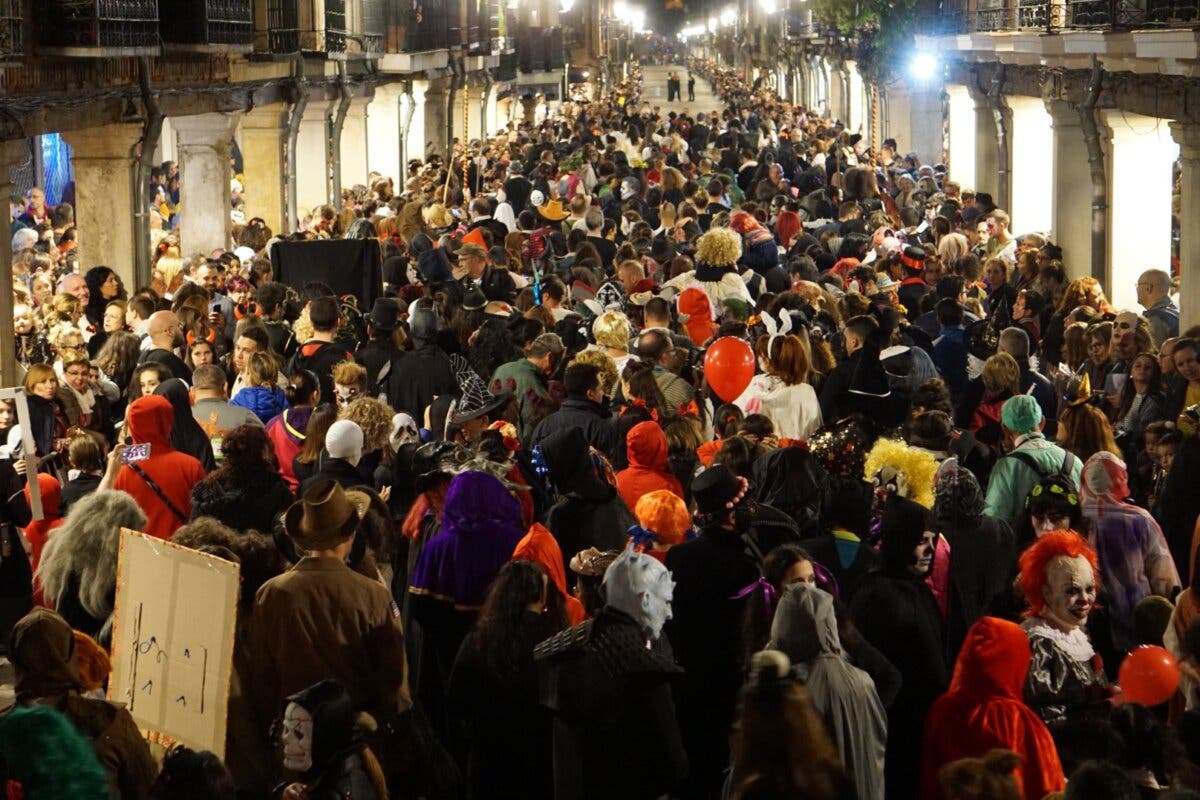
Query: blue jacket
point(266, 403)
point(950, 358)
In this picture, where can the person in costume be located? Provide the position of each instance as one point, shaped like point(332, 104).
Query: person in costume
point(322, 738)
point(608, 684)
point(1135, 561)
point(805, 629)
point(1066, 681)
point(984, 709)
point(897, 613)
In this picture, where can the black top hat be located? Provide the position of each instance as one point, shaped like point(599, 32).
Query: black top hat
point(717, 490)
point(385, 314)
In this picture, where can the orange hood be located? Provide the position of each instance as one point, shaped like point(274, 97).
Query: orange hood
point(540, 547)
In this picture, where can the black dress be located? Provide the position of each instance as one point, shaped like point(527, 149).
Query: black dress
point(898, 615)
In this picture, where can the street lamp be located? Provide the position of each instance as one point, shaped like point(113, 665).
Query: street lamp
point(728, 16)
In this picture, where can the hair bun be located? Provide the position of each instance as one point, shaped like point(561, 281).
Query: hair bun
point(365, 723)
point(769, 665)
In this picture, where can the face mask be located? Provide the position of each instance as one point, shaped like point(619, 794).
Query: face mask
point(296, 736)
point(656, 605)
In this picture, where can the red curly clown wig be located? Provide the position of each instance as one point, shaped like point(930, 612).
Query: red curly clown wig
point(1034, 561)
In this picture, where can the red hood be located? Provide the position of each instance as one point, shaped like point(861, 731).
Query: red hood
point(646, 446)
point(540, 547)
point(993, 662)
point(150, 420)
point(51, 491)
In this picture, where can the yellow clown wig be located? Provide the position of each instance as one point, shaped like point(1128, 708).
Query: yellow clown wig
point(910, 469)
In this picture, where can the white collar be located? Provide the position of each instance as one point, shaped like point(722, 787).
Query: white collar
point(1075, 644)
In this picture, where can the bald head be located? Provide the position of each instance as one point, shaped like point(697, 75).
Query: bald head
point(1152, 286)
point(164, 329)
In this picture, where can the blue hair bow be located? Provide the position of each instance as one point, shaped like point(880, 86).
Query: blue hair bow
point(642, 537)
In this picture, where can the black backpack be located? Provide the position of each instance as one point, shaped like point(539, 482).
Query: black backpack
point(1059, 482)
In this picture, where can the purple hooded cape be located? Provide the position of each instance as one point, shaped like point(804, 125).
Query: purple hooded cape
point(481, 525)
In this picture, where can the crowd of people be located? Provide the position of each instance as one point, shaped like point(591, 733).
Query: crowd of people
point(691, 455)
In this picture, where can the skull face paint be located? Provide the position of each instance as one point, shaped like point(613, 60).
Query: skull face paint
point(1070, 592)
point(296, 735)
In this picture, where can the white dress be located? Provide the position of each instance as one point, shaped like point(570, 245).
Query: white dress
point(794, 410)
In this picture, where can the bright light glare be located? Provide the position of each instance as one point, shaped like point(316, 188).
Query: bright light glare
point(691, 31)
point(637, 18)
point(769, 6)
point(566, 5)
point(712, 24)
point(620, 9)
point(729, 16)
point(923, 66)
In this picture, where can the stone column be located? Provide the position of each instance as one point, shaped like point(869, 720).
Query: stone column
point(382, 133)
point(354, 144)
point(925, 122)
point(312, 164)
point(204, 190)
point(264, 133)
point(436, 107)
point(1070, 188)
point(987, 149)
point(414, 146)
point(11, 152)
point(1187, 135)
point(103, 161)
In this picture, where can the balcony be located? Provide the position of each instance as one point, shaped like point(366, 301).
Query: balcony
point(97, 28)
point(963, 16)
point(541, 49)
point(374, 27)
point(288, 27)
point(12, 42)
point(221, 26)
point(431, 31)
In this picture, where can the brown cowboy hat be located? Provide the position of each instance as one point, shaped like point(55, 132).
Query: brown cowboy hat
point(322, 519)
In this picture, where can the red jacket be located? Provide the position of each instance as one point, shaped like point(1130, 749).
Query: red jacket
point(984, 709)
point(149, 420)
point(646, 447)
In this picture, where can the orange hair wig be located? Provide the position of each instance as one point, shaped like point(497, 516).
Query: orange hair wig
point(1034, 561)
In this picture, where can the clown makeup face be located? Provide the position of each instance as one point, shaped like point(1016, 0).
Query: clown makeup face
point(656, 604)
point(1070, 592)
point(296, 734)
point(922, 555)
point(345, 393)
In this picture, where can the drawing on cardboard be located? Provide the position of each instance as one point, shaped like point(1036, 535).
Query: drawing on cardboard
point(173, 634)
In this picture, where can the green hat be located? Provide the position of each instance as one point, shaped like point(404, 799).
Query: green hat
point(1021, 414)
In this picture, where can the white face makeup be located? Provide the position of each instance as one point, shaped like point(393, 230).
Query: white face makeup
point(656, 604)
point(922, 557)
point(297, 735)
point(1070, 592)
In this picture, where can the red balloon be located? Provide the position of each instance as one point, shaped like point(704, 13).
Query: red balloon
point(728, 367)
point(1149, 675)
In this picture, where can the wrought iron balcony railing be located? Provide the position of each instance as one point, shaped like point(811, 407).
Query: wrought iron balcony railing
point(215, 24)
point(291, 27)
point(97, 28)
point(1052, 16)
point(12, 39)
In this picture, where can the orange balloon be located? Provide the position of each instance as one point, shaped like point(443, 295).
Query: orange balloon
point(1149, 675)
point(728, 367)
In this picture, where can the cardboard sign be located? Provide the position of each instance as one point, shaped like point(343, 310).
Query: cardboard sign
point(173, 638)
point(17, 396)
